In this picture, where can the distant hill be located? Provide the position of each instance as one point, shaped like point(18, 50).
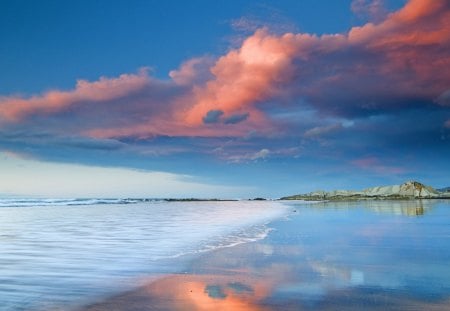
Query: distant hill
point(407, 190)
point(446, 189)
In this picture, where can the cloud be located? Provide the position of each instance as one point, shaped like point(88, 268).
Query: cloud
point(374, 10)
point(372, 69)
point(103, 90)
point(377, 166)
point(21, 138)
point(444, 98)
point(375, 73)
point(236, 118)
point(263, 16)
point(263, 153)
point(193, 71)
point(322, 130)
point(244, 77)
point(212, 116)
point(259, 155)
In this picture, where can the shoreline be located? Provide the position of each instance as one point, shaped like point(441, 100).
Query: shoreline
point(206, 284)
point(212, 280)
point(297, 267)
point(70, 256)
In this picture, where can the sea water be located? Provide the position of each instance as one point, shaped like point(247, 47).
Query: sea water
point(60, 252)
point(361, 255)
point(371, 255)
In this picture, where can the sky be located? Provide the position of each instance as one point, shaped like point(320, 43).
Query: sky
point(222, 98)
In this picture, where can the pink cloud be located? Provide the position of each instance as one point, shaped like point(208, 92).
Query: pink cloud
point(244, 77)
point(397, 60)
point(375, 165)
point(105, 89)
point(389, 65)
point(193, 71)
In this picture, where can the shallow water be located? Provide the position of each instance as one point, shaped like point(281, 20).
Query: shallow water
point(385, 249)
point(63, 254)
point(373, 255)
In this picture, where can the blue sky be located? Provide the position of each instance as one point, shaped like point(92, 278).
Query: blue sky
point(220, 98)
point(66, 41)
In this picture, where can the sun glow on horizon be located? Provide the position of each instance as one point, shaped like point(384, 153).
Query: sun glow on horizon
point(29, 177)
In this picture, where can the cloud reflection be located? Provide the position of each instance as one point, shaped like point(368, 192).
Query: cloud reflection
point(335, 258)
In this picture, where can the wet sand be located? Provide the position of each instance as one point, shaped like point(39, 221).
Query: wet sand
point(319, 259)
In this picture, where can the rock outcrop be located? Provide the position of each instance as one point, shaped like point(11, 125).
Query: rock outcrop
point(407, 190)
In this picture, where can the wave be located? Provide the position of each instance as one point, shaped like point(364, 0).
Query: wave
point(252, 234)
point(67, 202)
point(101, 249)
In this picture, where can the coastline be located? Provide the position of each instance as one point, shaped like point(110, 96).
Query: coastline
point(409, 190)
point(300, 267)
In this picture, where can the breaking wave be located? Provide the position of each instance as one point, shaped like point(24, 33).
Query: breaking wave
point(66, 202)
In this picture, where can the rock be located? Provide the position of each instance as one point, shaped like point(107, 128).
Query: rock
point(407, 190)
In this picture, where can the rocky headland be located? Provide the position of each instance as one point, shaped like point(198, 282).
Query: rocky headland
point(407, 190)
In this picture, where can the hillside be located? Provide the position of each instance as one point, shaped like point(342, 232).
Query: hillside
point(407, 190)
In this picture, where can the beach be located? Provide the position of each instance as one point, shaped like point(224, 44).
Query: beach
point(60, 254)
point(225, 155)
point(237, 255)
point(384, 255)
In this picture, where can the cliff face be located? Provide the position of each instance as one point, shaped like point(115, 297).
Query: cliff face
point(407, 190)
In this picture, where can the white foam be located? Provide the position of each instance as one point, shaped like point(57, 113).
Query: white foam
point(18, 202)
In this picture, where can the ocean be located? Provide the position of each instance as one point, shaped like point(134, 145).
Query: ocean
point(61, 252)
point(239, 255)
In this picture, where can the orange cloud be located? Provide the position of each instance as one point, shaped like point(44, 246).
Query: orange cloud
point(105, 89)
point(191, 293)
point(397, 62)
point(265, 64)
point(195, 70)
point(244, 77)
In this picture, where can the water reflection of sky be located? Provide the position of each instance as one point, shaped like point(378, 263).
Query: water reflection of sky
point(329, 257)
point(394, 207)
point(59, 255)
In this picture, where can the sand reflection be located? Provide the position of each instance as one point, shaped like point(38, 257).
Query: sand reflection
point(230, 279)
point(193, 292)
point(209, 292)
